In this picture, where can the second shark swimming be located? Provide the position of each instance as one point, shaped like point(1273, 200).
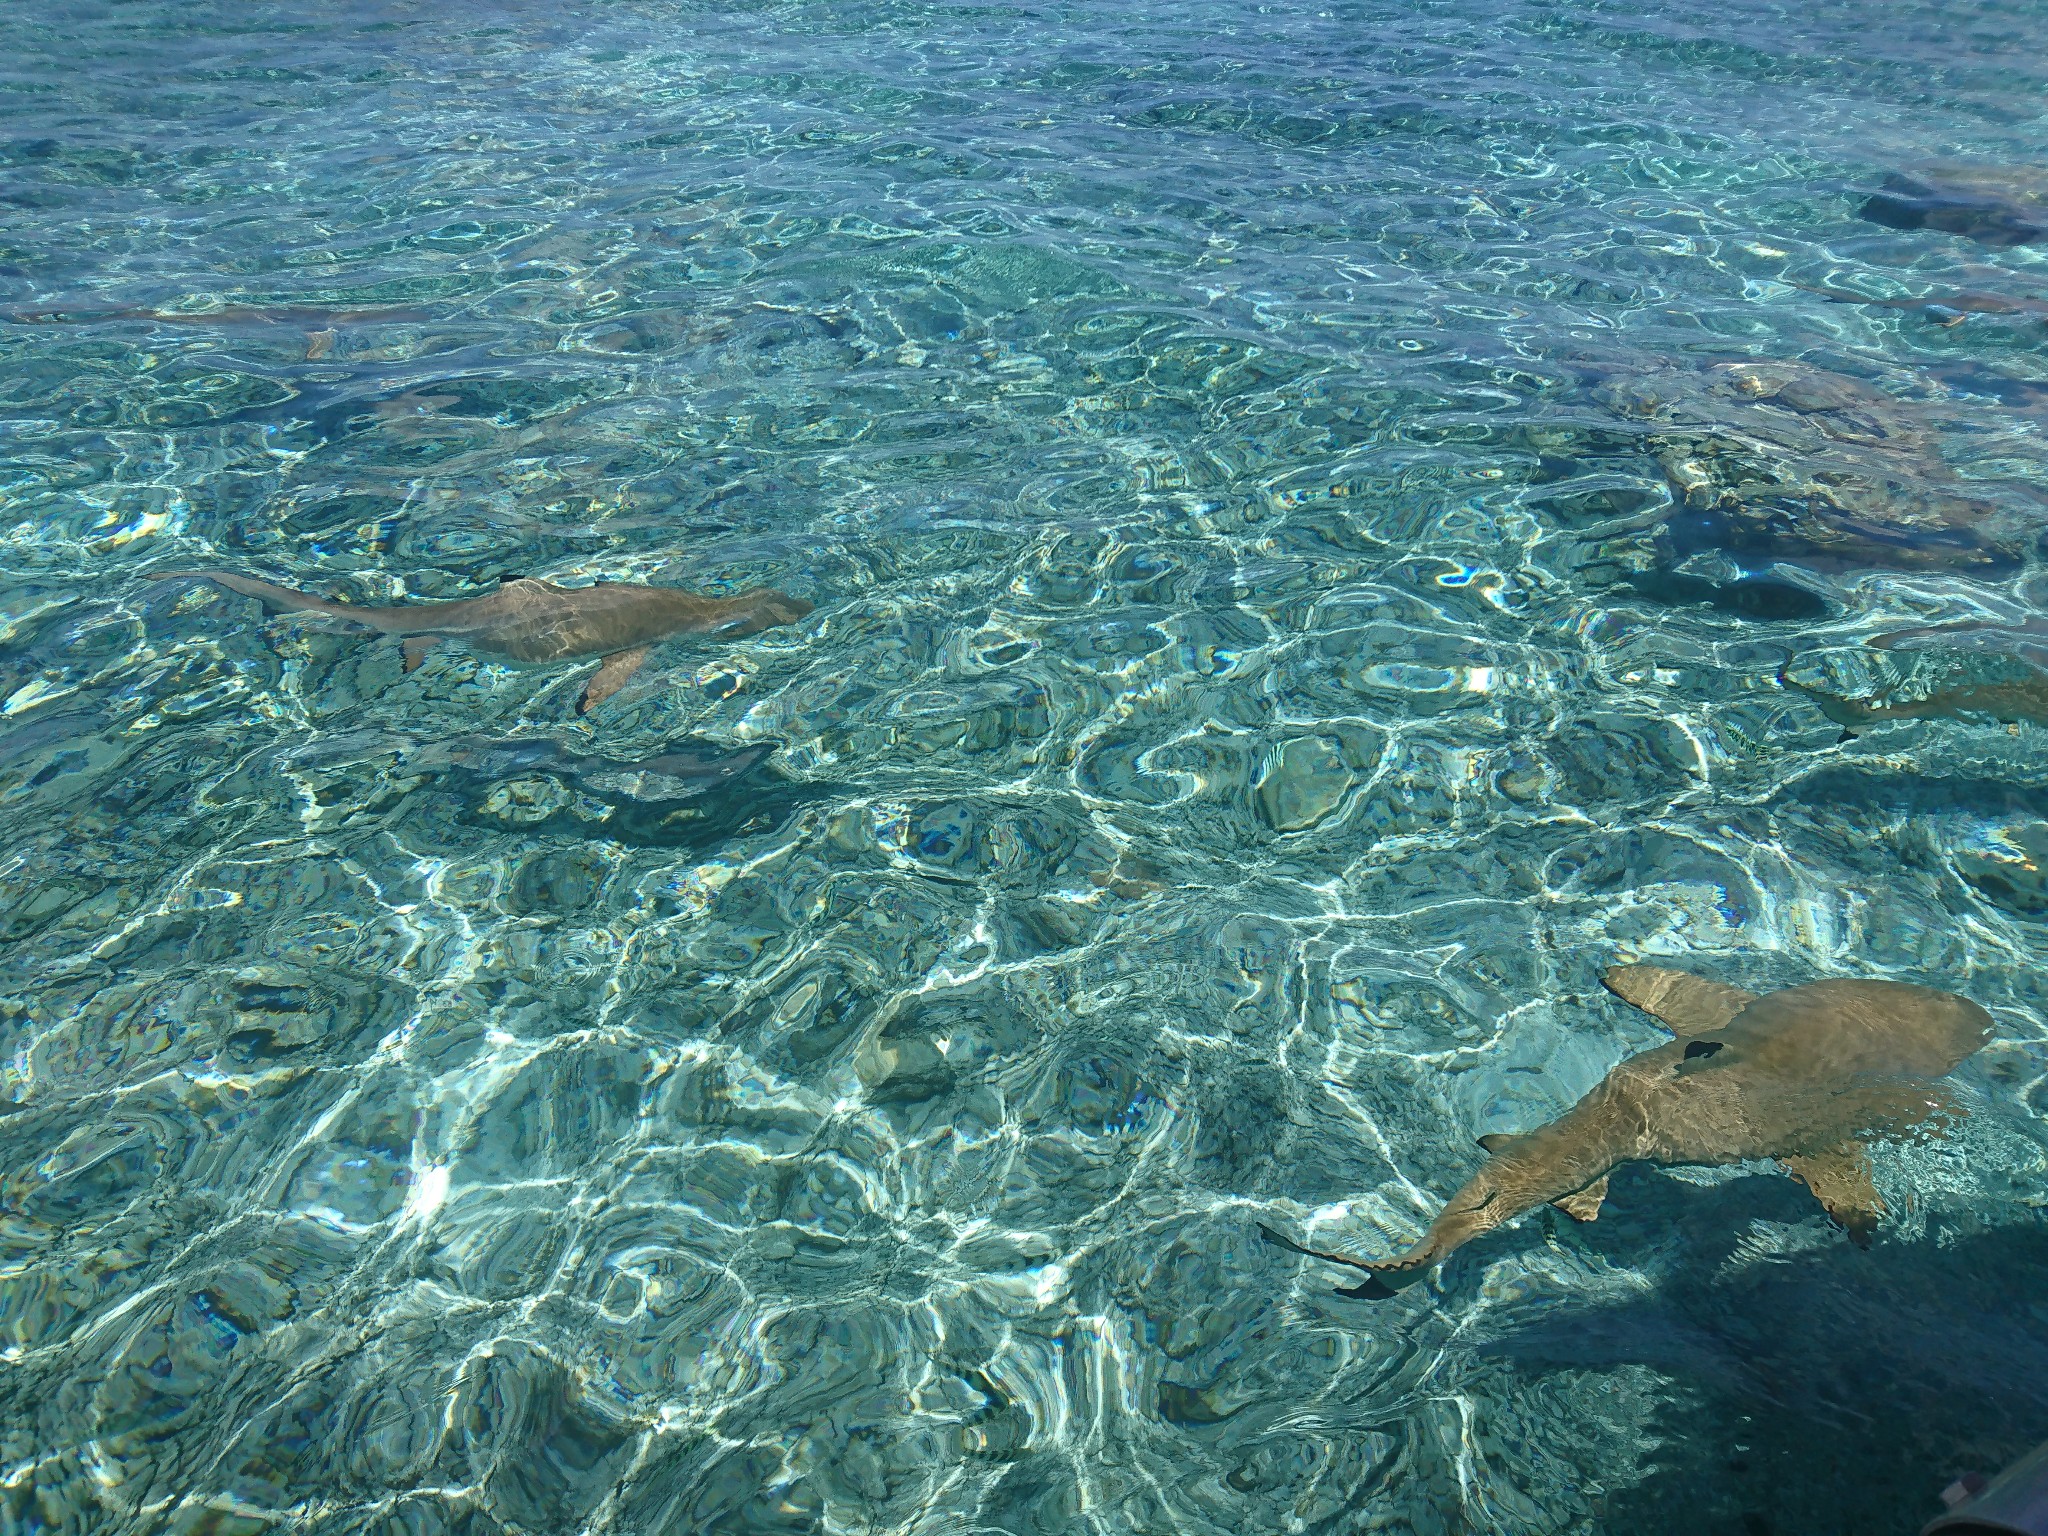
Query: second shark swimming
point(1806, 1076)
point(537, 621)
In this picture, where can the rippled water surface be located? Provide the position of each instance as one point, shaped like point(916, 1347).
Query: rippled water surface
point(1328, 527)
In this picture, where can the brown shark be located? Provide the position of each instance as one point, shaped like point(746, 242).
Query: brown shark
point(1806, 1076)
point(1948, 310)
point(2009, 702)
point(321, 324)
point(535, 621)
point(1998, 206)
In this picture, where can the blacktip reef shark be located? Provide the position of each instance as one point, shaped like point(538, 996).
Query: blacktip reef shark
point(1947, 310)
point(536, 621)
point(320, 323)
point(1805, 1076)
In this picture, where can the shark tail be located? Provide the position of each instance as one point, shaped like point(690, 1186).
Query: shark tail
point(1407, 1266)
point(275, 597)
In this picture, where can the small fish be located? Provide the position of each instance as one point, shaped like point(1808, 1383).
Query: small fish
point(2018, 691)
point(1806, 1076)
point(692, 792)
point(537, 621)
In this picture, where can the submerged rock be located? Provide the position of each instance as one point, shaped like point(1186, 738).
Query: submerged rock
point(1793, 462)
point(903, 1069)
point(1304, 782)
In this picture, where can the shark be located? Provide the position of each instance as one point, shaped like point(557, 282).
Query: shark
point(2008, 701)
point(321, 324)
point(1947, 310)
point(536, 621)
point(1993, 206)
point(1807, 1076)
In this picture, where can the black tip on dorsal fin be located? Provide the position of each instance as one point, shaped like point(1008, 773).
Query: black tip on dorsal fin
point(1494, 1141)
point(506, 581)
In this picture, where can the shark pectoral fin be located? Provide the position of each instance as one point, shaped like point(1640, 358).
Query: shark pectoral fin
point(416, 648)
point(1840, 1180)
point(611, 677)
point(1689, 1005)
point(1584, 1204)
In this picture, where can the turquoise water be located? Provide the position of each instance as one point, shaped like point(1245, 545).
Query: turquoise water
point(1264, 667)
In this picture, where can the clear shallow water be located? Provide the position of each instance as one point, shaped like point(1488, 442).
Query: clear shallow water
point(1239, 721)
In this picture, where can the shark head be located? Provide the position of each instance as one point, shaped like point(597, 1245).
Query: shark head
point(762, 608)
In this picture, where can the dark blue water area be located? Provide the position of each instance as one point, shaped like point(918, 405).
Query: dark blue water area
point(1305, 536)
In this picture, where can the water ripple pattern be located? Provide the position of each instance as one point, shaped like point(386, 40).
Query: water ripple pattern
point(1249, 465)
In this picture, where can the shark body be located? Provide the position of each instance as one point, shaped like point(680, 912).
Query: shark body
point(1805, 1076)
point(536, 621)
point(1948, 310)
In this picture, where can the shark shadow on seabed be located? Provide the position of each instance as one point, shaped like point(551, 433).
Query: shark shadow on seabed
point(692, 795)
point(1821, 1392)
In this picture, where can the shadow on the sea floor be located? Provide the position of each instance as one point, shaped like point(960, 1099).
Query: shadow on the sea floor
point(1824, 1392)
point(764, 803)
point(692, 795)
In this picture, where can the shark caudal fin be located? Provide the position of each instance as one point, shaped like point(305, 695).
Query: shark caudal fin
point(1690, 1006)
point(1381, 1280)
point(269, 593)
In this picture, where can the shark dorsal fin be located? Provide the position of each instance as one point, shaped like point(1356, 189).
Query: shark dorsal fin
point(1690, 1006)
point(1495, 1141)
